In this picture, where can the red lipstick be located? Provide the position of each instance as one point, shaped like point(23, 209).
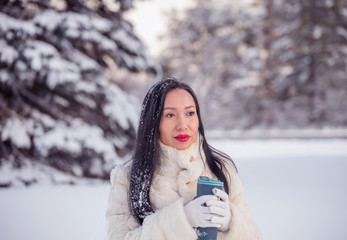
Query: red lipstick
point(182, 137)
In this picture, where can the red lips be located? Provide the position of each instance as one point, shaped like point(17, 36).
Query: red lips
point(182, 137)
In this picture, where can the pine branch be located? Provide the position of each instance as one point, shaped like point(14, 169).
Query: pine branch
point(41, 105)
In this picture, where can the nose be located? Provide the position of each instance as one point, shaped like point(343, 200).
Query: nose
point(181, 123)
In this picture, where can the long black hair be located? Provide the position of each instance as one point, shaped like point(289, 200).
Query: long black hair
point(147, 150)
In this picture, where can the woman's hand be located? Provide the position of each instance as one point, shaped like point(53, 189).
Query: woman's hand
point(198, 214)
point(220, 209)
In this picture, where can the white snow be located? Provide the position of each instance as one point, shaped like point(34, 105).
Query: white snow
point(48, 19)
point(341, 31)
point(4, 76)
point(61, 72)
point(8, 23)
point(72, 138)
point(86, 63)
point(317, 32)
point(102, 25)
point(295, 188)
point(8, 53)
point(88, 87)
point(127, 40)
point(97, 38)
point(17, 131)
point(61, 212)
point(85, 100)
point(121, 108)
point(344, 12)
point(42, 55)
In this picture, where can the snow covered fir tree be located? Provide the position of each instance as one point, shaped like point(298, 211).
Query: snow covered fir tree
point(62, 118)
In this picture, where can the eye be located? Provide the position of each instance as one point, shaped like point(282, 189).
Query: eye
point(169, 115)
point(191, 113)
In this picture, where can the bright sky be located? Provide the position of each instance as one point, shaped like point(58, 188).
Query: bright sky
point(148, 18)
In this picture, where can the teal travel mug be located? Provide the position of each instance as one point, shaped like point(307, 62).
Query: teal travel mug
point(205, 186)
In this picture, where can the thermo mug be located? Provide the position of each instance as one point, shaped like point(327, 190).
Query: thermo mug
point(205, 186)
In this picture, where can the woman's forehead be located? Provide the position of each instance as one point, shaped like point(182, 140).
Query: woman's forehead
point(179, 98)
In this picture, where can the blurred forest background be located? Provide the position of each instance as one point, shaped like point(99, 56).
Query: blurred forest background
point(73, 74)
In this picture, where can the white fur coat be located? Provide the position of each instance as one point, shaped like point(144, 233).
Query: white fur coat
point(173, 186)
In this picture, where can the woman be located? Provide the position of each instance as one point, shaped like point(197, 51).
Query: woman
point(153, 196)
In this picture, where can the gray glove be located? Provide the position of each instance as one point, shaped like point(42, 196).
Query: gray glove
point(220, 209)
point(199, 215)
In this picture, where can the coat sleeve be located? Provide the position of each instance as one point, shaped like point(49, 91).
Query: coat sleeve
point(169, 222)
point(242, 225)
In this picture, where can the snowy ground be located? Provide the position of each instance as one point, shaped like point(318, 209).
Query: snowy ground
point(296, 189)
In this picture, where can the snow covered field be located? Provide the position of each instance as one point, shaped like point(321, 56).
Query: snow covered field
point(296, 189)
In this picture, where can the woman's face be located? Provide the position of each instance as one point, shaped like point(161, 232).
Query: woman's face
point(179, 123)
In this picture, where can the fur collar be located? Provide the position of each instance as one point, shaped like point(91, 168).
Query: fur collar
point(178, 174)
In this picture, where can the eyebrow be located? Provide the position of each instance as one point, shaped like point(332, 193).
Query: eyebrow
point(172, 108)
